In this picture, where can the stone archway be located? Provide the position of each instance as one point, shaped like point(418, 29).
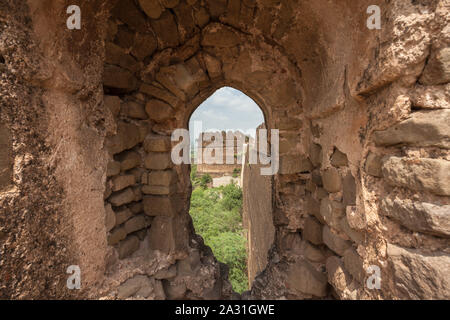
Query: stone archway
point(354, 175)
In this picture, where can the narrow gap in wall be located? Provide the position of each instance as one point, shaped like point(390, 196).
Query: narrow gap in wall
point(219, 130)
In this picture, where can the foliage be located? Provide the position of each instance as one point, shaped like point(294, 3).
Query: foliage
point(216, 214)
point(204, 180)
point(236, 172)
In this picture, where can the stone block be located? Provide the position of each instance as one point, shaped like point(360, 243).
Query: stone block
point(152, 8)
point(122, 197)
point(122, 215)
point(131, 286)
point(373, 165)
point(418, 216)
point(6, 159)
point(157, 143)
point(116, 235)
point(418, 274)
point(423, 129)
point(339, 278)
point(334, 241)
point(166, 29)
point(312, 231)
point(160, 94)
point(144, 45)
point(115, 55)
point(331, 212)
point(129, 160)
point(128, 136)
point(353, 234)
point(290, 164)
point(168, 235)
point(161, 205)
point(332, 181)
point(137, 223)
point(437, 69)
point(110, 218)
point(113, 104)
point(159, 190)
point(133, 110)
point(159, 111)
point(174, 290)
point(419, 174)
point(122, 182)
point(166, 273)
point(304, 278)
point(338, 159)
point(219, 36)
point(119, 78)
point(158, 161)
point(355, 265)
point(113, 168)
point(349, 190)
point(315, 154)
point(128, 246)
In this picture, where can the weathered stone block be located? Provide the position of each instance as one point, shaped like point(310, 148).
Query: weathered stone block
point(339, 278)
point(159, 190)
point(152, 8)
point(420, 174)
point(113, 168)
point(128, 135)
point(115, 55)
point(290, 164)
point(158, 110)
point(157, 143)
point(166, 29)
point(354, 264)
point(158, 161)
point(331, 212)
point(6, 160)
point(129, 160)
point(113, 104)
point(116, 235)
point(122, 197)
point(220, 36)
point(162, 178)
point(373, 165)
point(123, 215)
point(437, 70)
point(134, 110)
point(128, 246)
point(334, 241)
point(160, 94)
point(161, 206)
point(424, 129)
point(121, 182)
point(167, 273)
point(137, 223)
point(131, 286)
point(312, 231)
point(332, 181)
point(144, 45)
point(349, 190)
point(315, 154)
point(168, 235)
point(303, 277)
point(354, 235)
point(119, 78)
point(418, 216)
point(418, 274)
point(178, 80)
point(110, 218)
point(174, 290)
point(338, 159)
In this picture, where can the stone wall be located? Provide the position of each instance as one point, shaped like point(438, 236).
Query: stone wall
point(231, 148)
point(364, 138)
point(257, 217)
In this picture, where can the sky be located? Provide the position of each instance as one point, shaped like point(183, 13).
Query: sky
point(227, 109)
